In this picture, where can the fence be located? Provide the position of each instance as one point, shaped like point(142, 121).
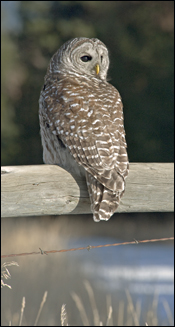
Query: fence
point(50, 190)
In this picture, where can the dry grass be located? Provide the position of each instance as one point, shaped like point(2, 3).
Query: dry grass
point(41, 307)
point(124, 315)
point(64, 319)
point(5, 274)
point(129, 316)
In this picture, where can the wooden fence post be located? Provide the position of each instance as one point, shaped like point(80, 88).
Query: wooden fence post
point(50, 190)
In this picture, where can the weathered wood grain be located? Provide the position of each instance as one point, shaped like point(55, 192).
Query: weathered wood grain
point(50, 190)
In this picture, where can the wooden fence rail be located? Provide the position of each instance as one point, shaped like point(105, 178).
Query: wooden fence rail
point(50, 190)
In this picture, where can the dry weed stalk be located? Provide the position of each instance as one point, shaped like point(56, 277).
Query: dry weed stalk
point(5, 272)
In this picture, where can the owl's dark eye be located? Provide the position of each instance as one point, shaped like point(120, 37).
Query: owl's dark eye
point(101, 58)
point(86, 58)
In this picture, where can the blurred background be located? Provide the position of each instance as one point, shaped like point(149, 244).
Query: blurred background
point(140, 39)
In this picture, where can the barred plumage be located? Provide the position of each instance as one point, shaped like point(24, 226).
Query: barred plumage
point(81, 122)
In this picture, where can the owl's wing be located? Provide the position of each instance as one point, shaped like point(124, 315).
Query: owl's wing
point(94, 133)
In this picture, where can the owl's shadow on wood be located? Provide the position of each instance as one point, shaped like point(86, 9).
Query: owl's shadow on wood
point(83, 205)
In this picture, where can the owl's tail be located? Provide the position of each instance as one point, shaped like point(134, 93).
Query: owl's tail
point(104, 202)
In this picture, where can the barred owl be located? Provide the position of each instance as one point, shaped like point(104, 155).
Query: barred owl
point(81, 122)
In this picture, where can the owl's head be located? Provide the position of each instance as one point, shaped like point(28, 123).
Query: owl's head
point(82, 56)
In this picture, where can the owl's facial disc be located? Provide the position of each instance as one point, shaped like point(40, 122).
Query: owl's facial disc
point(90, 59)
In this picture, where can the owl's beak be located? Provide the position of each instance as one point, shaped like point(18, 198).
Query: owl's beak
point(97, 68)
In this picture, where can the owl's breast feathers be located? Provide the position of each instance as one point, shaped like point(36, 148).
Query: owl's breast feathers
point(88, 118)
